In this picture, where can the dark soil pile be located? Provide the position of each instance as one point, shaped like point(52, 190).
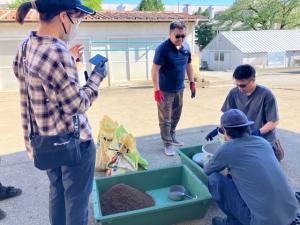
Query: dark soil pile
point(123, 198)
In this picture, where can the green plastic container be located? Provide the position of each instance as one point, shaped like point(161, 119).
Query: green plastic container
point(156, 183)
point(186, 154)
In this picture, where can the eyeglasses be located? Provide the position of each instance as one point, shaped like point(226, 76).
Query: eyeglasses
point(244, 85)
point(78, 21)
point(180, 36)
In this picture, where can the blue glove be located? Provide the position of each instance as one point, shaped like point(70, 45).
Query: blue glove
point(256, 133)
point(212, 134)
point(101, 70)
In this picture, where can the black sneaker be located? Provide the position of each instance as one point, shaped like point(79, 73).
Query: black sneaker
point(2, 214)
point(297, 194)
point(9, 192)
point(297, 220)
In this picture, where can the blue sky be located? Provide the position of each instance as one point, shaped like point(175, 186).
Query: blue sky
point(175, 2)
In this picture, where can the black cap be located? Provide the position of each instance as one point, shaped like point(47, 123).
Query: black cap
point(245, 71)
point(235, 118)
point(46, 6)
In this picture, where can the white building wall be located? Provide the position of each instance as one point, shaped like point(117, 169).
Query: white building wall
point(204, 56)
point(220, 43)
point(220, 54)
point(235, 59)
point(108, 39)
point(258, 60)
point(228, 61)
point(232, 56)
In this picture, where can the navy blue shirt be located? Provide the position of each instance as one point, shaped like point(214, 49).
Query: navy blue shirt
point(173, 64)
point(259, 179)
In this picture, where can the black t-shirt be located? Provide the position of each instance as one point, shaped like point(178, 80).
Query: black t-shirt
point(260, 107)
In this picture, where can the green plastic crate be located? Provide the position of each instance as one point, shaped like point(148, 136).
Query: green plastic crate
point(186, 155)
point(156, 183)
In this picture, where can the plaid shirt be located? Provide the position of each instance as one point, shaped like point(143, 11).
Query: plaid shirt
point(54, 90)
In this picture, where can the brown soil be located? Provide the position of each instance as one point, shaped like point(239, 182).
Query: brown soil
point(123, 198)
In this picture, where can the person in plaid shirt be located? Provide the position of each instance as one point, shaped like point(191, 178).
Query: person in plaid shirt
point(55, 96)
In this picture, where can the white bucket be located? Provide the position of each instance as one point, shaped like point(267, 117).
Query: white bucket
point(210, 149)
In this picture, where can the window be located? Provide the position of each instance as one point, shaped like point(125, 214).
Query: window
point(222, 56)
point(219, 56)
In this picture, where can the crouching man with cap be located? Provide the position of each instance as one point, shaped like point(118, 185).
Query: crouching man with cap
point(257, 191)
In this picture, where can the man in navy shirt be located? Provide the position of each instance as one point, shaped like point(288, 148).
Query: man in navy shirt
point(257, 191)
point(171, 61)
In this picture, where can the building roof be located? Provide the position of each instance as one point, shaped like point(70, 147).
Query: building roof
point(8, 15)
point(264, 40)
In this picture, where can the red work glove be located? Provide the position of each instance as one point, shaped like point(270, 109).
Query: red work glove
point(158, 96)
point(193, 89)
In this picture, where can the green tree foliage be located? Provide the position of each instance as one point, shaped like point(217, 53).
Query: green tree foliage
point(201, 12)
point(16, 4)
point(151, 5)
point(261, 15)
point(289, 14)
point(93, 4)
point(205, 32)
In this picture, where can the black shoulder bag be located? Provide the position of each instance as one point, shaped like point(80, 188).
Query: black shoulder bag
point(52, 151)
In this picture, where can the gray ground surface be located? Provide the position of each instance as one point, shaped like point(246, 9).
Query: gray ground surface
point(135, 109)
point(31, 207)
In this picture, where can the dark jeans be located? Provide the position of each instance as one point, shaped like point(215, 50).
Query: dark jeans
point(226, 195)
point(169, 112)
point(70, 188)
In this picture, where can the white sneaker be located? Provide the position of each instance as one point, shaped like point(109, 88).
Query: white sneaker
point(169, 150)
point(176, 142)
